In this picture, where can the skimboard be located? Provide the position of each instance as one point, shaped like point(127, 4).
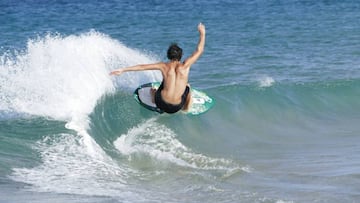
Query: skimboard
point(201, 102)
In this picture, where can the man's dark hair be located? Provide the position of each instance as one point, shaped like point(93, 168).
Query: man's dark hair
point(174, 52)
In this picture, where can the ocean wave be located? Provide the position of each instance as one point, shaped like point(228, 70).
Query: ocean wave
point(66, 79)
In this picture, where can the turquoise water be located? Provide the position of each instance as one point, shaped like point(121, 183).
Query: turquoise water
point(285, 76)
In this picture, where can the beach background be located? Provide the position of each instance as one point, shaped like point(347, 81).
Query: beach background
point(285, 76)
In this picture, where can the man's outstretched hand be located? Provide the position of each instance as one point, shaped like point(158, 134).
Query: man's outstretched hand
point(116, 72)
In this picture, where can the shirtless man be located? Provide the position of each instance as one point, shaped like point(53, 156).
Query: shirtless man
point(174, 93)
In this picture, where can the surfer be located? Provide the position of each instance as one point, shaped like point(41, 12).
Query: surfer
point(174, 92)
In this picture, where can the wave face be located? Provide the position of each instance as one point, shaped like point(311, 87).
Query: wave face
point(81, 133)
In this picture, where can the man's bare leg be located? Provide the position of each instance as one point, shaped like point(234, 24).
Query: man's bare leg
point(152, 93)
point(188, 102)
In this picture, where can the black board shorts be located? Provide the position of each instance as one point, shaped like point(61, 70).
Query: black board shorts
point(170, 108)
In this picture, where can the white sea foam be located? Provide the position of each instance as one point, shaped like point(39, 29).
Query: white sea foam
point(266, 81)
point(67, 168)
point(160, 142)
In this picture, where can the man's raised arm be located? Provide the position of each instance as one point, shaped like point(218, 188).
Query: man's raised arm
point(199, 49)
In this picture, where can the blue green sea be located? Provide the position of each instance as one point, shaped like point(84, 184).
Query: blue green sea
point(285, 75)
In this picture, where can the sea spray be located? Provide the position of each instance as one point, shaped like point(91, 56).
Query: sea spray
point(63, 77)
